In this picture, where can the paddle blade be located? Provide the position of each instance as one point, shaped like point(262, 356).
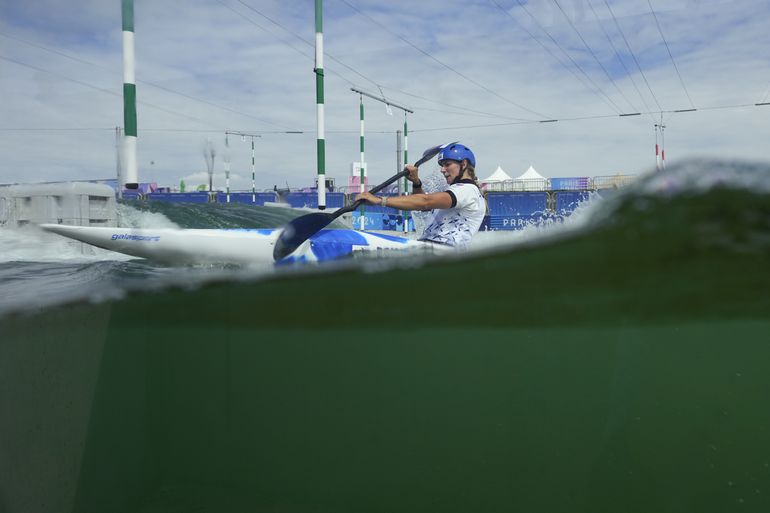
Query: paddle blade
point(297, 231)
point(430, 153)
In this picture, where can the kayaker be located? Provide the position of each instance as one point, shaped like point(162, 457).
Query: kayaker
point(457, 213)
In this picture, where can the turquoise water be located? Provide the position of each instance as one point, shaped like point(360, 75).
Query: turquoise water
point(620, 365)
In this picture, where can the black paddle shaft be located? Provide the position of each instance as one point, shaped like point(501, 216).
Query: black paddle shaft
point(300, 229)
point(375, 190)
point(429, 154)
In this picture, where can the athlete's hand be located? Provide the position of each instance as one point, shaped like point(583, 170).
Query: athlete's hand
point(369, 198)
point(413, 176)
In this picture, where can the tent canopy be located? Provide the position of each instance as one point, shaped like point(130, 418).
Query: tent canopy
point(531, 174)
point(498, 176)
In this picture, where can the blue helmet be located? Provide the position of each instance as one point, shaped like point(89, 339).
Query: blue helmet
point(458, 152)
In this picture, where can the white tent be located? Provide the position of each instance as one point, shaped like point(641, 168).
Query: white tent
point(531, 180)
point(498, 176)
point(531, 174)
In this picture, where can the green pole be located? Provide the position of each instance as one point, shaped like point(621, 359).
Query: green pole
point(406, 161)
point(253, 174)
point(319, 94)
point(227, 166)
point(131, 175)
point(362, 169)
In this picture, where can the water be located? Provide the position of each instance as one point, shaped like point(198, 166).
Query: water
point(38, 269)
point(616, 363)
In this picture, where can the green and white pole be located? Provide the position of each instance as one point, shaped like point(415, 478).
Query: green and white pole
point(253, 174)
point(131, 173)
point(319, 95)
point(398, 134)
point(406, 151)
point(119, 159)
point(227, 166)
point(406, 161)
point(362, 169)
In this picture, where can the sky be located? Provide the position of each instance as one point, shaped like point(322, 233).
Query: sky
point(482, 72)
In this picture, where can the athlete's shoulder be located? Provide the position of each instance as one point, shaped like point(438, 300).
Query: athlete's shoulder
point(469, 187)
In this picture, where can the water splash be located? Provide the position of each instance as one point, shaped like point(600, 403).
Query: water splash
point(131, 217)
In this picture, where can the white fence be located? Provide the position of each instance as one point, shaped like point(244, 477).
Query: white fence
point(560, 184)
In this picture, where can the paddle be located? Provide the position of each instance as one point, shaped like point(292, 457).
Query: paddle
point(300, 229)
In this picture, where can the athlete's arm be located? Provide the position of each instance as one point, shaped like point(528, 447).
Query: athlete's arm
point(439, 200)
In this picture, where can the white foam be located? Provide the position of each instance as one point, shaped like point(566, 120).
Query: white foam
point(129, 217)
point(583, 215)
point(32, 244)
point(701, 175)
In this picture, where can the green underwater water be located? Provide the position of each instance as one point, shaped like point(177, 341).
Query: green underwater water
point(622, 368)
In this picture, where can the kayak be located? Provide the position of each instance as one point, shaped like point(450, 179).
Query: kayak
point(235, 246)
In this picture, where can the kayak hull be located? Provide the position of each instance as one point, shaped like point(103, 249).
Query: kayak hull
point(241, 246)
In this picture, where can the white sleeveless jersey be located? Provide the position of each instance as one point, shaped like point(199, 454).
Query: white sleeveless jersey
point(457, 225)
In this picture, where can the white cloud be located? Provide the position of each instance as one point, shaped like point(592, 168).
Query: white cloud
point(250, 79)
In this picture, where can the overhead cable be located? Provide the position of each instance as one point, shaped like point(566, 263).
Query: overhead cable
point(333, 58)
point(444, 104)
point(143, 82)
point(633, 55)
point(593, 88)
point(100, 89)
point(443, 64)
point(617, 55)
point(574, 63)
point(596, 117)
point(669, 54)
point(310, 44)
point(593, 54)
point(341, 63)
point(434, 129)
